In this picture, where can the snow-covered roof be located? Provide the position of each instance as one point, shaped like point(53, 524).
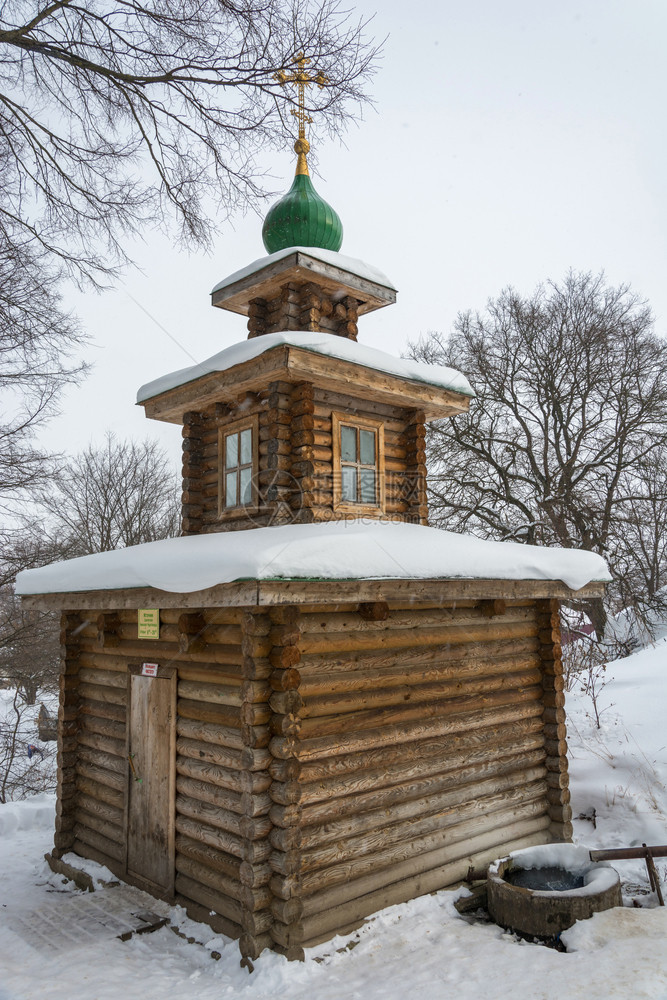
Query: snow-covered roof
point(326, 344)
point(351, 264)
point(335, 550)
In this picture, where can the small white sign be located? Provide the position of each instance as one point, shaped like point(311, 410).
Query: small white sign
point(149, 669)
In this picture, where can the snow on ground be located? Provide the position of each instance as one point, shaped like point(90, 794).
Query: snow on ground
point(618, 773)
point(420, 948)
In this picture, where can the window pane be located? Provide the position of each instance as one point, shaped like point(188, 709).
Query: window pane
point(367, 447)
point(349, 484)
point(348, 444)
point(367, 483)
point(246, 447)
point(246, 486)
point(230, 490)
point(231, 451)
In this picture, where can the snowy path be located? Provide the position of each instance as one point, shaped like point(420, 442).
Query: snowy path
point(421, 948)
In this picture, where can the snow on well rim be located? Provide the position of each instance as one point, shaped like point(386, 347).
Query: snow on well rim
point(326, 344)
point(598, 875)
point(334, 550)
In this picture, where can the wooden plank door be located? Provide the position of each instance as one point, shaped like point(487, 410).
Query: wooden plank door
point(151, 779)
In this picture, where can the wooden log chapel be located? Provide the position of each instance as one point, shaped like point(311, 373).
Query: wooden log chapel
point(311, 705)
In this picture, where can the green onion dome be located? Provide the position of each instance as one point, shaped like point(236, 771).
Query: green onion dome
point(302, 218)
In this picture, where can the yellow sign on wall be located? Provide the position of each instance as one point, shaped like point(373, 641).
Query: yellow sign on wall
point(149, 623)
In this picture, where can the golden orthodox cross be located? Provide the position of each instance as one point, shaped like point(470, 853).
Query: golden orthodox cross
point(303, 78)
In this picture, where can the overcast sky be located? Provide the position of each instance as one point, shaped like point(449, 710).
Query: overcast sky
point(512, 140)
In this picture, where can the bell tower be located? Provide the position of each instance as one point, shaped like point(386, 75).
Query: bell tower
point(301, 423)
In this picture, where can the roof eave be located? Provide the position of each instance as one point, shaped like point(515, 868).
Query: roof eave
point(286, 362)
point(264, 593)
point(266, 283)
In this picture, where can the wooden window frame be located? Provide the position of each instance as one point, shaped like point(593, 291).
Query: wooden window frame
point(366, 424)
point(240, 510)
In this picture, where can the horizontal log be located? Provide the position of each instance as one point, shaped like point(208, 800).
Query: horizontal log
point(253, 876)
point(103, 677)
point(435, 657)
point(106, 694)
point(99, 758)
point(253, 852)
point(252, 923)
point(88, 851)
point(378, 787)
point(330, 909)
point(405, 638)
point(151, 649)
point(104, 663)
point(212, 674)
point(214, 815)
point(206, 751)
point(107, 847)
point(208, 732)
point(249, 809)
point(105, 744)
point(217, 902)
point(102, 776)
point(489, 785)
point(337, 702)
point(221, 715)
point(231, 786)
point(101, 710)
point(355, 773)
point(312, 749)
point(112, 831)
point(102, 793)
point(103, 727)
point(369, 851)
point(410, 620)
point(249, 786)
point(553, 716)
point(104, 810)
point(402, 675)
point(211, 692)
point(250, 899)
point(271, 446)
point(397, 716)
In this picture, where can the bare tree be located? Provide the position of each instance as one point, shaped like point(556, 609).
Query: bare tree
point(29, 642)
point(571, 412)
point(26, 768)
point(37, 340)
point(120, 494)
point(112, 113)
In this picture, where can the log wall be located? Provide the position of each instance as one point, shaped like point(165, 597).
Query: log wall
point(405, 750)
point(295, 475)
point(330, 761)
point(304, 306)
